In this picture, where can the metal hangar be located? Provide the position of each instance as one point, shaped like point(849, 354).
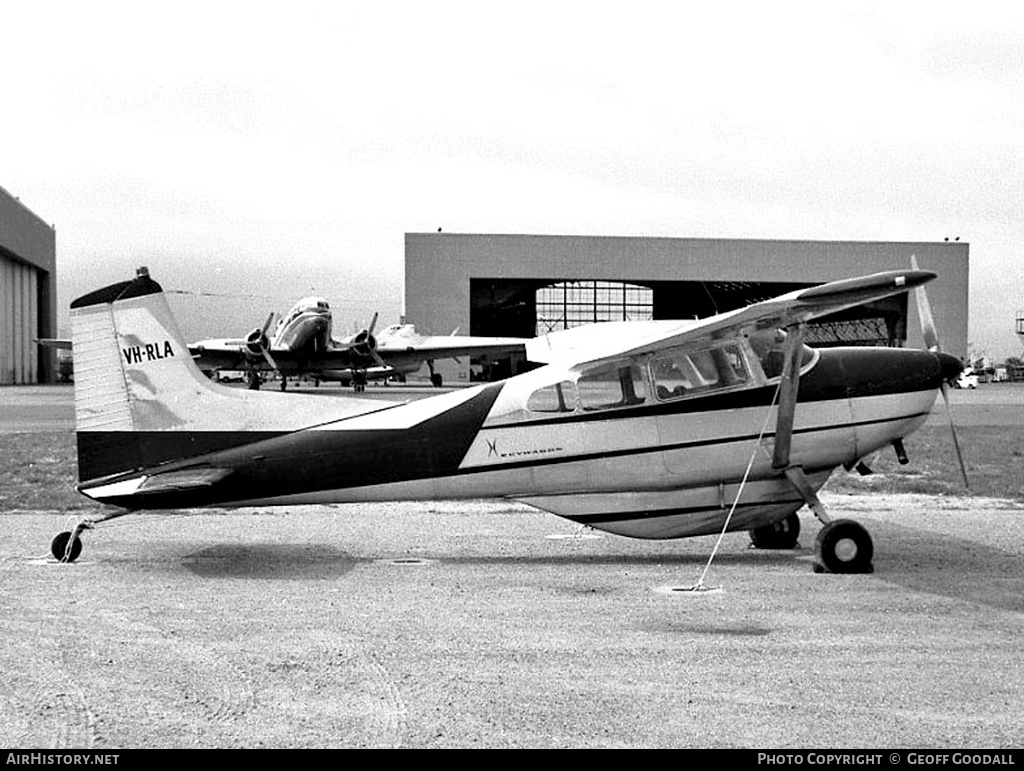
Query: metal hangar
point(525, 285)
point(28, 293)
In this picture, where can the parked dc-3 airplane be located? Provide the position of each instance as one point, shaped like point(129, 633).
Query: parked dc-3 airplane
point(660, 430)
point(303, 345)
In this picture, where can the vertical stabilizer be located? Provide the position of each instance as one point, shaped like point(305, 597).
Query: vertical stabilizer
point(140, 399)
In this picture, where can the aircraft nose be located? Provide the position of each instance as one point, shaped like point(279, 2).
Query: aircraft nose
point(951, 366)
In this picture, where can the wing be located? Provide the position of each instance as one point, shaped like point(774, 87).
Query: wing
point(232, 354)
point(433, 347)
point(786, 310)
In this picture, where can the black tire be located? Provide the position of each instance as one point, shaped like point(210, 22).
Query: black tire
point(59, 547)
point(436, 380)
point(844, 546)
point(778, 535)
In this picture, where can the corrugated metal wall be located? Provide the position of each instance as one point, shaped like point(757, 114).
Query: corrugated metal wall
point(19, 322)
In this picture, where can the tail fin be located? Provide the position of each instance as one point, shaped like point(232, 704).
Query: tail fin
point(140, 399)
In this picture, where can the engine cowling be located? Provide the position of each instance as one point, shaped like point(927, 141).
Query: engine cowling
point(364, 344)
point(257, 343)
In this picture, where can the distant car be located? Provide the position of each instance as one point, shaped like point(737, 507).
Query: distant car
point(967, 379)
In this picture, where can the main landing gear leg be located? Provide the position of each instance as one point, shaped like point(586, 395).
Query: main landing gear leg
point(66, 546)
point(842, 545)
point(435, 378)
point(359, 381)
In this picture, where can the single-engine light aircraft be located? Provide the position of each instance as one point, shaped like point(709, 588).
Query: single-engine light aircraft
point(658, 430)
point(302, 344)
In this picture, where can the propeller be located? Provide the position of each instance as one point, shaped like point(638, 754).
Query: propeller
point(258, 342)
point(365, 344)
point(931, 341)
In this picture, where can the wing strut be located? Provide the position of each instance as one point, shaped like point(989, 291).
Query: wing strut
point(788, 390)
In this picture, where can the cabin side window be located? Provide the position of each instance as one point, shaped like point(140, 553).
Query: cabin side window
point(769, 346)
point(685, 372)
point(621, 384)
point(560, 397)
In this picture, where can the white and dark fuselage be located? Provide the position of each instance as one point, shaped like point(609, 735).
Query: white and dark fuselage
point(306, 328)
point(654, 445)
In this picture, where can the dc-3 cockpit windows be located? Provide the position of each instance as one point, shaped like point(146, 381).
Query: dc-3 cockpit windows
point(687, 371)
point(769, 347)
point(619, 384)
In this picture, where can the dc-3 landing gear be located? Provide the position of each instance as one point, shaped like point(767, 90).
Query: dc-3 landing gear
point(67, 546)
point(435, 377)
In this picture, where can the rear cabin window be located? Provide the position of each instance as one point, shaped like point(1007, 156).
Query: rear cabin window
point(560, 397)
point(611, 386)
point(685, 372)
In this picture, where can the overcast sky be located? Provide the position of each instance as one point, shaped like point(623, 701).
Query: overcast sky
point(268, 150)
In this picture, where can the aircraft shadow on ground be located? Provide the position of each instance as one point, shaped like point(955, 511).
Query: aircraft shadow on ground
point(312, 561)
point(270, 561)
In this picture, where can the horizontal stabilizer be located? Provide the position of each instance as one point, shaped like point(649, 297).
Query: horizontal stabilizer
point(169, 481)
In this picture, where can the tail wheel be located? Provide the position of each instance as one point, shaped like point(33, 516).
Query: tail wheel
point(844, 546)
point(59, 547)
point(778, 535)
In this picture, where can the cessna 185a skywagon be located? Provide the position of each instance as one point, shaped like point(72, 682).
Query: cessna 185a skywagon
point(653, 430)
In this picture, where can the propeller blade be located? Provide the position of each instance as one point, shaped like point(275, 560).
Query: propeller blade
point(931, 339)
point(924, 310)
point(956, 441)
point(270, 319)
point(373, 323)
point(270, 360)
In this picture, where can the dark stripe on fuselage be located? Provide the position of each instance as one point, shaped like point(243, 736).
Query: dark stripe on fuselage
point(313, 460)
point(546, 461)
point(839, 373)
point(108, 453)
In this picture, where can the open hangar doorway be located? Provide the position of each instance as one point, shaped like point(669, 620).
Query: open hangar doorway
point(532, 307)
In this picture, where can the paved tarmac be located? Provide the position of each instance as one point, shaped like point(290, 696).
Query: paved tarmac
point(492, 625)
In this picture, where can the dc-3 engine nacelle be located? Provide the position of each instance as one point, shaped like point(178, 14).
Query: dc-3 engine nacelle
point(363, 344)
point(256, 344)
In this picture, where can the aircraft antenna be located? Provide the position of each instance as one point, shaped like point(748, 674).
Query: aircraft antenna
point(714, 303)
point(699, 587)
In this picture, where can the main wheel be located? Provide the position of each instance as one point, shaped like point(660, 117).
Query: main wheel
point(778, 535)
point(59, 547)
point(844, 546)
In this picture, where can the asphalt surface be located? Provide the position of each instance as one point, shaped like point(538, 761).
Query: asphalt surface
point(482, 624)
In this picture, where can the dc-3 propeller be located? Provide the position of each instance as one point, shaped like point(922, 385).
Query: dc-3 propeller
point(258, 344)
